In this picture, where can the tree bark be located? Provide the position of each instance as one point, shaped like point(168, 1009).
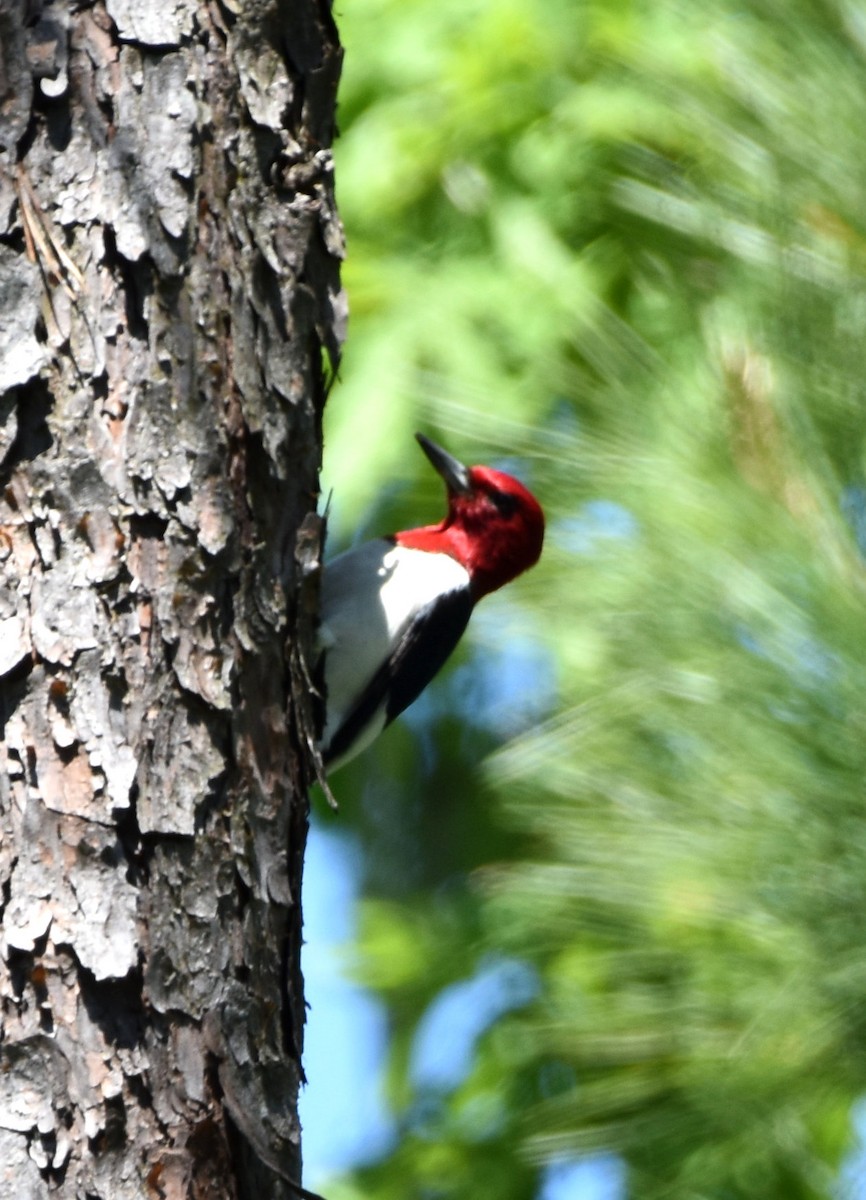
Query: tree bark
point(169, 288)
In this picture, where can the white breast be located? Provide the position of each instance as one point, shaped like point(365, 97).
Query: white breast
point(369, 597)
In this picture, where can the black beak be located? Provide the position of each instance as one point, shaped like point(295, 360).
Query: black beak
point(454, 473)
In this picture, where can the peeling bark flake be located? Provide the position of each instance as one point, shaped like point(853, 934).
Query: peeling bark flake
point(22, 355)
point(157, 23)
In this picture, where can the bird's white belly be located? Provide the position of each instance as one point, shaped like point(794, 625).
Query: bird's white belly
point(369, 597)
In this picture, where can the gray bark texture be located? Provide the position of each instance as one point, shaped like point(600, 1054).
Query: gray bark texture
point(169, 297)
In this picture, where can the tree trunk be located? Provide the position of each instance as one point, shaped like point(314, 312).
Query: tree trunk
point(168, 283)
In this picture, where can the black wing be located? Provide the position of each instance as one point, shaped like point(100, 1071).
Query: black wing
point(423, 649)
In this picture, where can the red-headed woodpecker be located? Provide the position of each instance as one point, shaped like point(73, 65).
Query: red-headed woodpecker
point(393, 609)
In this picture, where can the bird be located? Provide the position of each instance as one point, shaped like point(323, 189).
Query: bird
point(393, 609)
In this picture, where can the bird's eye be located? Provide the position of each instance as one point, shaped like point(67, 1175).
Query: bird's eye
point(505, 503)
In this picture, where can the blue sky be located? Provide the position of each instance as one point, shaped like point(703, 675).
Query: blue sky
point(344, 1116)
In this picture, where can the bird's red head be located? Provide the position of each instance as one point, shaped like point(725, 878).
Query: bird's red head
point(494, 526)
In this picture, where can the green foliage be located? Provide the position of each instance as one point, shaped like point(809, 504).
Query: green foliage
point(624, 242)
